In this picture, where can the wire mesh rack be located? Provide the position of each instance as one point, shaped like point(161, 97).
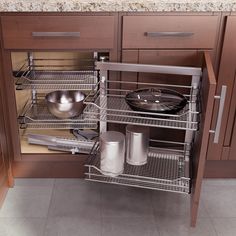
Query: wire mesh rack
point(37, 116)
point(167, 170)
point(110, 106)
point(57, 80)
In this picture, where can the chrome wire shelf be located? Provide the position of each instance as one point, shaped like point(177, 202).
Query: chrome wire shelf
point(166, 170)
point(37, 116)
point(112, 107)
point(57, 80)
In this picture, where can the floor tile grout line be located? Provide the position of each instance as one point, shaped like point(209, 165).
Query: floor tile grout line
point(50, 202)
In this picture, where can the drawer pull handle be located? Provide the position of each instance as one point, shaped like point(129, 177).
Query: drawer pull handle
point(168, 34)
point(222, 97)
point(56, 34)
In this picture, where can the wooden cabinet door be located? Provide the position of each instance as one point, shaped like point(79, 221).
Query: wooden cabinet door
point(230, 136)
point(217, 151)
point(56, 32)
point(232, 153)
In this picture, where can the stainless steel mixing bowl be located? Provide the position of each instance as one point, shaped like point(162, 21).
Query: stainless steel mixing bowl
point(65, 104)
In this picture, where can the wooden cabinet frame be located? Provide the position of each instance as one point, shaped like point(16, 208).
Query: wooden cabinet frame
point(38, 165)
point(67, 166)
point(221, 158)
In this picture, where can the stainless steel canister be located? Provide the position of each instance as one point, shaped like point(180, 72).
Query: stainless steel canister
point(137, 143)
point(112, 148)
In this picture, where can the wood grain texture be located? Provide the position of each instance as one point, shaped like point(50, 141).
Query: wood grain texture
point(53, 169)
point(202, 136)
point(4, 151)
point(230, 139)
point(204, 28)
point(220, 169)
point(226, 77)
point(232, 153)
point(96, 32)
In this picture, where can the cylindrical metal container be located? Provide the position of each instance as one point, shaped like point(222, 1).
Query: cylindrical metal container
point(137, 143)
point(112, 148)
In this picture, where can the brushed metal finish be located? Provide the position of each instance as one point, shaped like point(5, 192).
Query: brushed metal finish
point(65, 104)
point(220, 114)
point(137, 143)
point(168, 34)
point(112, 146)
point(166, 170)
point(130, 67)
point(56, 34)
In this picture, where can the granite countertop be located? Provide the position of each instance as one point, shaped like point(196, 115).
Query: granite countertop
point(117, 5)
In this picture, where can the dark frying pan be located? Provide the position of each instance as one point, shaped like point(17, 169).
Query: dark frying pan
point(156, 100)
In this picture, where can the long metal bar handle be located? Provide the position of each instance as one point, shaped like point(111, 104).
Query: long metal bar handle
point(56, 34)
point(168, 34)
point(220, 113)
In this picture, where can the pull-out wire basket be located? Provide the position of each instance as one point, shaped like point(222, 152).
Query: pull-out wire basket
point(167, 169)
point(57, 80)
point(56, 74)
point(35, 115)
point(110, 106)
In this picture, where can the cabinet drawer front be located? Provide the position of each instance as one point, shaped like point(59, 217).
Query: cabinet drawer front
point(169, 31)
point(55, 32)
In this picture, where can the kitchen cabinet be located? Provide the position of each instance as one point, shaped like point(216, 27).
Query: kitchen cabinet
point(184, 49)
point(54, 52)
point(222, 154)
point(178, 43)
point(175, 32)
point(50, 32)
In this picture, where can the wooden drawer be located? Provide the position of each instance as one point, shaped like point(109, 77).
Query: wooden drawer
point(55, 32)
point(169, 31)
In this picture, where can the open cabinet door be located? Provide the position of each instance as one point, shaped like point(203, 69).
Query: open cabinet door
point(208, 89)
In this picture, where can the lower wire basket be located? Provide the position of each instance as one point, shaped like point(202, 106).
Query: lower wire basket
point(167, 169)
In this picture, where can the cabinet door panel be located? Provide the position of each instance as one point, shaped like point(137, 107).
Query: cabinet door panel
point(56, 32)
point(202, 136)
point(170, 32)
point(231, 119)
point(232, 154)
point(226, 77)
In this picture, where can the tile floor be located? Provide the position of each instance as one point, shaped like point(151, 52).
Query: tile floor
point(74, 207)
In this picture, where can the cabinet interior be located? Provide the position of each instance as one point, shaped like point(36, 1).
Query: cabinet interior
point(38, 73)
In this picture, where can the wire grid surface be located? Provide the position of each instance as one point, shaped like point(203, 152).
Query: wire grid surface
point(37, 116)
point(114, 109)
point(163, 171)
point(54, 80)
